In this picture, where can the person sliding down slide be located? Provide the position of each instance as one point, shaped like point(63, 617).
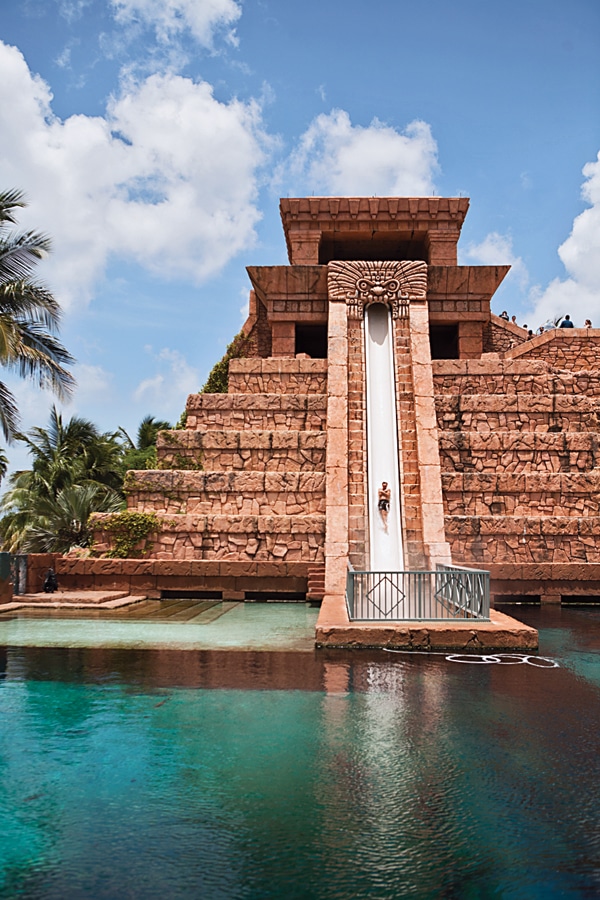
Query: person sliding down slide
point(383, 503)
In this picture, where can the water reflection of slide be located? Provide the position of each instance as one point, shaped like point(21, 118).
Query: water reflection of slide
point(382, 439)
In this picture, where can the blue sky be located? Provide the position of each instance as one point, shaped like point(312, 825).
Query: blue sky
point(155, 137)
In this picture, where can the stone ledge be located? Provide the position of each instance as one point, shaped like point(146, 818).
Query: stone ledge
point(237, 482)
point(66, 566)
point(521, 441)
point(240, 440)
point(502, 632)
point(517, 525)
point(273, 366)
point(244, 402)
point(489, 365)
point(522, 482)
point(515, 403)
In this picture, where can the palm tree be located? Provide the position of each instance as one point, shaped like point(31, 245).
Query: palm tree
point(56, 524)
point(141, 454)
point(75, 452)
point(68, 457)
point(29, 316)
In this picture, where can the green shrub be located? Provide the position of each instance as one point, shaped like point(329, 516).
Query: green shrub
point(127, 530)
point(218, 379)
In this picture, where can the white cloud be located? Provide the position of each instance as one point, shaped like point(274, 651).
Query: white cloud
point(72, 10)
point(497, 250)
point(94, 385)
point(338, 158)
point(170, 386)
point(579, 294)
point(168, 177)
point(169, 18)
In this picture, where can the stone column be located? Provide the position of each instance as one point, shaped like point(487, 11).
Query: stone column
point(428, 452)
point(304, 247)
point(442, 247)
point(336, 465)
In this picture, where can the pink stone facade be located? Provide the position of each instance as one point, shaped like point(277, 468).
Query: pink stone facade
point(499, 438)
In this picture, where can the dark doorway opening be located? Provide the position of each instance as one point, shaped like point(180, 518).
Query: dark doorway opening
point(443, 340)
point(580, 600)
point(312, 339)
point(346, 246)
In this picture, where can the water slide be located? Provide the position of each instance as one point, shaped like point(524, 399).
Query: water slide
point(382, 440)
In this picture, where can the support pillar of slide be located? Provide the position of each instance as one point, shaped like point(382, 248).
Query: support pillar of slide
point(428, 450)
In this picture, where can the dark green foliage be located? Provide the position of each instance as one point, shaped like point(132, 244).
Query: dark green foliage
point(141, 454)
point(128, 529)
point(218, 379)
point(29, 316)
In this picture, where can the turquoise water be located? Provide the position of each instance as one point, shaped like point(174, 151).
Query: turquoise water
point(258, 626)
point(244, 774)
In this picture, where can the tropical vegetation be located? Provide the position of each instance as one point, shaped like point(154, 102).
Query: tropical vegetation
point(141, 453)
point(76, 470)
point(29, 315)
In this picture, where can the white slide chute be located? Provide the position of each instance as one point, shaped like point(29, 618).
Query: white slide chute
point(382, 440)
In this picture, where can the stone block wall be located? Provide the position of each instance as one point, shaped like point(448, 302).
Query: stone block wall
point(227, 492)
point(500, 335)
point(243, 484)
point(238, 538)
point(567, 349)
point(358, 524)
point(520, 452)
point(216, 451)
point(278, 376)
point(252, 412)
point(407, 447)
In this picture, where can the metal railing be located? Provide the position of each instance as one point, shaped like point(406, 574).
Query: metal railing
point(449, 592)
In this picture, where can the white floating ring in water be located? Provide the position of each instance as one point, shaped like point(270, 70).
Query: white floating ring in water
point(505, 659)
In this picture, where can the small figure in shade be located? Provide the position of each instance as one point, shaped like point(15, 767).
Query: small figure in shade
point(504, 315)
point(588, 323)
point(383, 503)
point(566, 323)
point(50, 582)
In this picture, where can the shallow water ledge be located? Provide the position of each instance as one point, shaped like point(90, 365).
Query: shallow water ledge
point(502, 632)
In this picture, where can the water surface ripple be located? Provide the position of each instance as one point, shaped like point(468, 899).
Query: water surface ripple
point(244, 774)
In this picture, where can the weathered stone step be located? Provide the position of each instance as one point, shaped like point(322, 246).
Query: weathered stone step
point(565, 494)
point(508, 451)
point(563, 348)
point(251, 412)
point(547, 539)
point(238, 537)
point(278, 376)
point(226, 493)
point(285, 451)
point(499, 376)
point(523, 412)
point(151, 576)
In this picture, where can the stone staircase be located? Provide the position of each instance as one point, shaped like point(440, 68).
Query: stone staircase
point(520, 455)
point(243, 483)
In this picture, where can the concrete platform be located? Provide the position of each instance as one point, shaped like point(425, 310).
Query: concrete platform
point(72, 600)
point(502, 632)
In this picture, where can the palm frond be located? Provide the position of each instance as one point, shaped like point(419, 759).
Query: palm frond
point(20, 252)
point(9, 414)
point(10, 200)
